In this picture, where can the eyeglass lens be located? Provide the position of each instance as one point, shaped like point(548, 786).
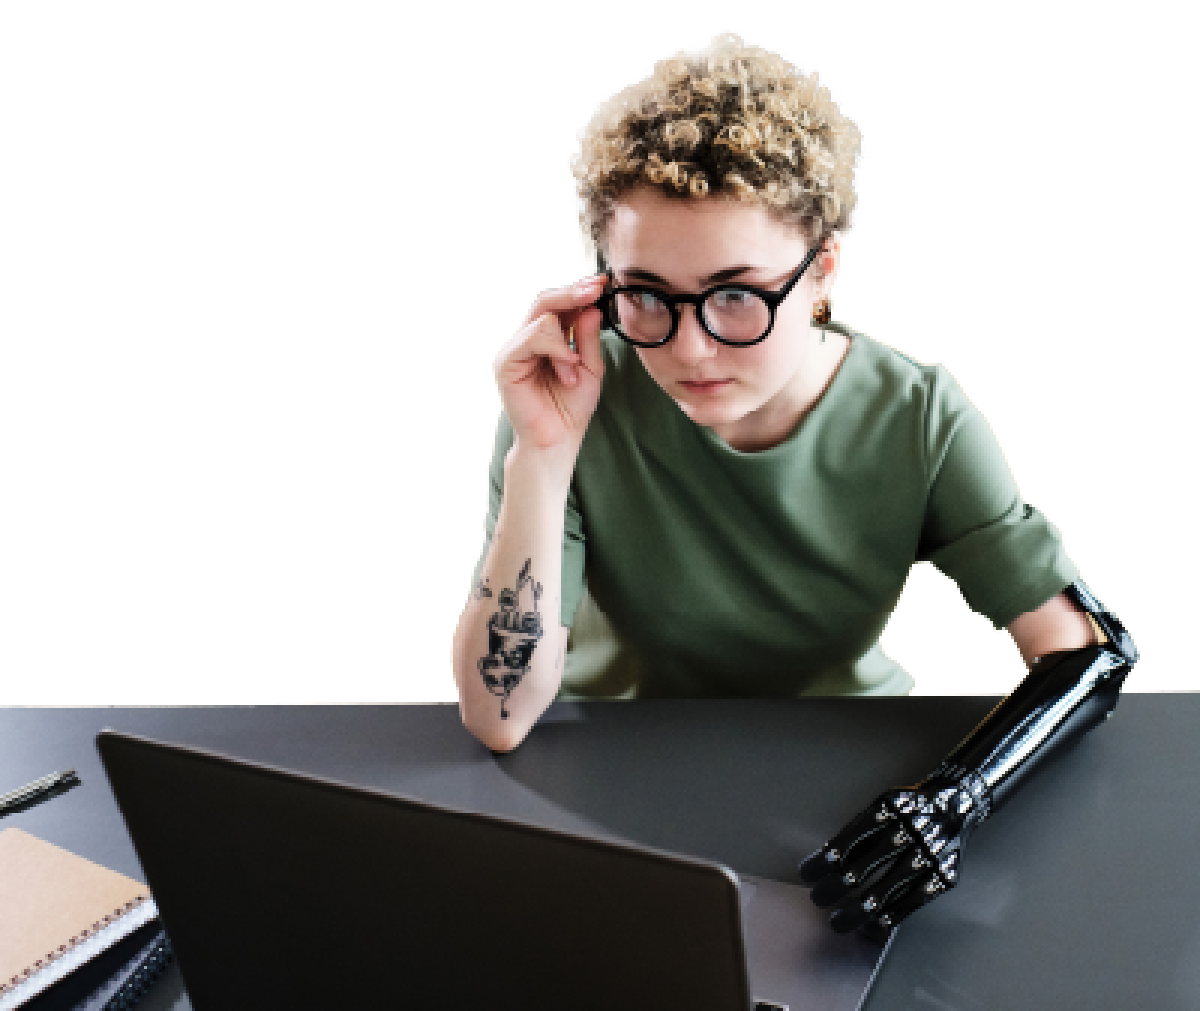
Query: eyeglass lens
point(729, 313)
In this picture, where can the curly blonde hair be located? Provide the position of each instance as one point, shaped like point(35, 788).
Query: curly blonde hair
point(732, 121)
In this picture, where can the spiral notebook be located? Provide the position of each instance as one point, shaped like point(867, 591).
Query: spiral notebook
point(58, 911)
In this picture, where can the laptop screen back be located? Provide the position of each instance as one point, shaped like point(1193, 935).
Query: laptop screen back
point(283, 890)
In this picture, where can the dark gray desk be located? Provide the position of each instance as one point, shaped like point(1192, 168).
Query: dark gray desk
point(1082, 893)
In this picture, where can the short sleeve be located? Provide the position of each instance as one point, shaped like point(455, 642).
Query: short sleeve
point(573, 536)
point(1006, 557)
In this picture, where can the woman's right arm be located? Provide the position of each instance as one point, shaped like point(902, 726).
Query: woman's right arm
point(509, 645)
point(525, 556)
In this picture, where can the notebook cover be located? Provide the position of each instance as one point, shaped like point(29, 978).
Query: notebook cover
point(56, 907)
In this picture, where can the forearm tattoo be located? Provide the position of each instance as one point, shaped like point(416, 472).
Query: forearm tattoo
point(513, 632)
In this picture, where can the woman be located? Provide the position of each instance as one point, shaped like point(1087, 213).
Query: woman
point(749, 537)
point(746, 483)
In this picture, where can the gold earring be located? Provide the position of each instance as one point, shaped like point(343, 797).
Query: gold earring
point(821, 311)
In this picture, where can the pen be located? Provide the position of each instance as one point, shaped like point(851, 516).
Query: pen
point(33, 790)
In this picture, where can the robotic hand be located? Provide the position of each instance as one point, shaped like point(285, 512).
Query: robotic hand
point(906, 848)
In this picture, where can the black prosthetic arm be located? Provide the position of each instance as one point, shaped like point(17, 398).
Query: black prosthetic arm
point(905, 849)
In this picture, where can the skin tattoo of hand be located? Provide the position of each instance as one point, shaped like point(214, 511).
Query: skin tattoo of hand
point(513, 631)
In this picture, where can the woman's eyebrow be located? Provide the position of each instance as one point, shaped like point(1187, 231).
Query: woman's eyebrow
point(637, 274)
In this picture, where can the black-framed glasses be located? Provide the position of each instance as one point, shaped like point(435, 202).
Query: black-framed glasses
point(735, 314)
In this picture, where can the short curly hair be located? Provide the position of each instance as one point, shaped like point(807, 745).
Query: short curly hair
point(732, 121)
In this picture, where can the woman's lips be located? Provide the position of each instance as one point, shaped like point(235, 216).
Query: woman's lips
point(706, 386)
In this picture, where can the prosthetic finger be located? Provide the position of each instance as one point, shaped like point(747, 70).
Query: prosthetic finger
point(862, 864)
point(831, 857)
point(912, 880)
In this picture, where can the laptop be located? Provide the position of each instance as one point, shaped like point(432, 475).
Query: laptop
point(280, 889)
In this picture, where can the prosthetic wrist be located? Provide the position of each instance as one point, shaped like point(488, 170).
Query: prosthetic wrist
point(906, 848)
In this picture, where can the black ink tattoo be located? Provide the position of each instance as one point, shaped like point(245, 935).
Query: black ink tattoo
point(481, 591)
point(513, 633)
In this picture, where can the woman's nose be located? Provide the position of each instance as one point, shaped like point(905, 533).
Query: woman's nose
point(692, 342)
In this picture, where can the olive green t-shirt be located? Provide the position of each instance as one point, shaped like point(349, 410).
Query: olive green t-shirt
point(693, 569)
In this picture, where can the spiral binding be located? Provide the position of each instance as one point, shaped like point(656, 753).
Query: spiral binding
point(71, 944)
point(144, 976)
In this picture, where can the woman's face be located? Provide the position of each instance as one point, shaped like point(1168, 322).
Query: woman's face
point(750, 396)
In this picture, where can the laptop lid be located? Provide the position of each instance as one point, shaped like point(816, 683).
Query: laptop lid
point(280, 889)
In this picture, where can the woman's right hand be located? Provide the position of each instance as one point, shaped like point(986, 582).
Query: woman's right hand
point(548, 390)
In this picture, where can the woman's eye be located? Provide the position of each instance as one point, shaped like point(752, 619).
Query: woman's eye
point(731, 299)
point(644, 301)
